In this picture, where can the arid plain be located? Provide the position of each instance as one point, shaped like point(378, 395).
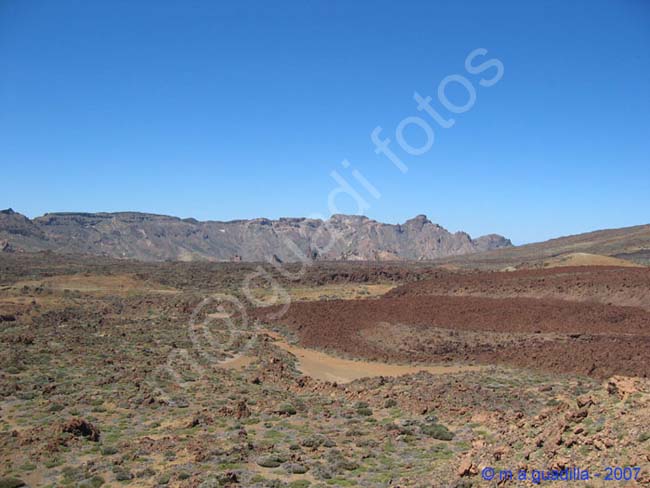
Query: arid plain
point(377, 374)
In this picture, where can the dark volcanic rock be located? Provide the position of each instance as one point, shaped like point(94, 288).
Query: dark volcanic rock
point(80, 428)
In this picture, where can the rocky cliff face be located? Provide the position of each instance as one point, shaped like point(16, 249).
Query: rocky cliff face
point(158, 237)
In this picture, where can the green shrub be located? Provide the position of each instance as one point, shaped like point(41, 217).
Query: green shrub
point(299, 484)
point(295, 468)
point(122, 475)
point(286, 409)
point(365, 411)
point(94, 482)
point(109, 451)
point(271, 461)
point(11, 483)
point(437, 431)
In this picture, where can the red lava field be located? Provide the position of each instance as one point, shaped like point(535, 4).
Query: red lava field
point(564, 320)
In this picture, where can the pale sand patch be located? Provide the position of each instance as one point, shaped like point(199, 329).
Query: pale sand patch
point(586, 259)
point(325, 367)
point(122, 283)
point(322, 366)
point(237, 362)
point(219, 315)
point(343, 291)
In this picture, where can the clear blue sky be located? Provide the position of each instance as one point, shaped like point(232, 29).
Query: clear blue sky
point(225, 110)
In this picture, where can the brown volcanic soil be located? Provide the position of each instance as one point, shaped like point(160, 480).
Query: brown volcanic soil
point(609, 285)
point(412, 323)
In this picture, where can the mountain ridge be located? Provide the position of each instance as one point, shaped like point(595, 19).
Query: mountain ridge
point(627, 243)
point(156, 237)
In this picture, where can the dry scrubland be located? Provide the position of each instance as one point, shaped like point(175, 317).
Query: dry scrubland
point(548, 370)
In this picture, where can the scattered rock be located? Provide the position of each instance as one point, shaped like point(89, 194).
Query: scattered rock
point(585, 402)
point(5, 246)
point(242, 411)
point(80, 428)
point(621, 386)
point(577, 416)
point(467, 468)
